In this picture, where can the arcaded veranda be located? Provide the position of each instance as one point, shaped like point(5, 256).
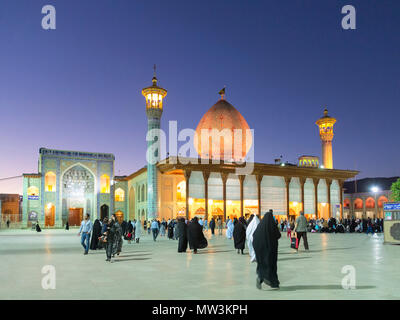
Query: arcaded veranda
point(151, 270)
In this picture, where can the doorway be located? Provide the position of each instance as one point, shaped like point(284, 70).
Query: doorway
point(49, 215)
point(75, 216)
point(103, 211)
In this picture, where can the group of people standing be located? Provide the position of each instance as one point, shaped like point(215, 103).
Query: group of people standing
point(108, 234)
point(262, 240)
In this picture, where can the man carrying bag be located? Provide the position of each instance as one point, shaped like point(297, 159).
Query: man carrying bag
point(301, 231)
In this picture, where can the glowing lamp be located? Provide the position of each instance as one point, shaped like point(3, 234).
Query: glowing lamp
point(374, 189)
point(154, 95)
point(191, 200)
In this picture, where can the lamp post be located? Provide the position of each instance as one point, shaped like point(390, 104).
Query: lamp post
point(375, 190)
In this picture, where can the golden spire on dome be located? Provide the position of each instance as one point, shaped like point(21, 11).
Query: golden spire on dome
point(222, 93)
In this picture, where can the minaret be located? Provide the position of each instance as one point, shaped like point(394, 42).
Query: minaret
point(154, 96)
point(325, 125)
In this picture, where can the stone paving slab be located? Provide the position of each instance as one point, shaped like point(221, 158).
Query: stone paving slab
point(155, 270)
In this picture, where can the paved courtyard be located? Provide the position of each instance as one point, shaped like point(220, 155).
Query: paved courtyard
point(151, 270)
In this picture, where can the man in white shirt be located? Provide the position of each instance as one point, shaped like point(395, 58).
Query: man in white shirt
point(85, 229)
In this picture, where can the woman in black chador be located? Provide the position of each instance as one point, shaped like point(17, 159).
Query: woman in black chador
point(170, 228)
point(96, 233)
point(38, 227)
point(114, 238)
point(265, 244)
point(195, 236)
point(182, 235)
point(239, 234)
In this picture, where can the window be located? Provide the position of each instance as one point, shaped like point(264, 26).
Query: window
point(104, 184)
point(50, 181)
point(33, 191)
point(119, 195)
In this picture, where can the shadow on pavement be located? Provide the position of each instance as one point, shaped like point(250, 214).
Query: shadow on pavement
point(131, 259)
point(297, 258)
point(320, 287)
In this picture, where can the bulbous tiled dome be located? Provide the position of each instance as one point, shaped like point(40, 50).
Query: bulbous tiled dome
point(221, 116)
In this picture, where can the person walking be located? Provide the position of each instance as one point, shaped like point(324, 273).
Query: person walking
point(252, 226)
point(239, 235)
point(84, 232)
point(96, 233)
point(212, 225)
point(265, 243)
point(67, 226)
point(195, 236)
point(301, 230)
point(8, 223)
point(155, 229)
point(38, 227)
point(163, 227)
point(182, 235)
point(138, 231)
point(129, 232)
point(229, 229)
point(205, 224)
point(219, 226)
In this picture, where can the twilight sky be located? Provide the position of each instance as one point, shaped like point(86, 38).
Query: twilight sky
point(79, 87)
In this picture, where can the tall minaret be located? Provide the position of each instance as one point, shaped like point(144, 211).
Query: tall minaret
point(325, 125)
point(154, 96)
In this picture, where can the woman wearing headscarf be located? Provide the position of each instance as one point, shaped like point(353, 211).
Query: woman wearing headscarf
point(212, 225)
point(239, 234)
point(129, 231)
point(38, 227)
point(195, 236)
point(252, 226)
point(182, 235)
point(162, 228)
point(96, 233)
point(171, 229)
point(229, 230)
point(265, 244)
point(138, 230)
point(114, 238)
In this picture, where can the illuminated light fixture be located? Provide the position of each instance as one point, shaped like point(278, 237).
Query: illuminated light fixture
point(191, 200)
point(282, 164)
point(229, 202)
point(322, 166)
point(210, 201)
point(295, 203)
point(323, 204)
point(374, 189)
point(49, 206)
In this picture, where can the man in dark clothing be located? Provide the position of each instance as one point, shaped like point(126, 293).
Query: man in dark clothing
point(239, 234)
point(182, 235)
point(265, 244)
point(195, 236)
point(301, 230)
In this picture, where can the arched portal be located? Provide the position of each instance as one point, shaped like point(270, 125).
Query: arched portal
point(120, 216)
point(78, 196)
point(49, 215)
point(104, 209)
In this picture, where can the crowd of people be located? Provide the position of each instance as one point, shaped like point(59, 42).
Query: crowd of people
point(260, 234)
point(333, 225)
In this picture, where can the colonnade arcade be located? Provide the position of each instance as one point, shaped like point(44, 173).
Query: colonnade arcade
point(231, 195)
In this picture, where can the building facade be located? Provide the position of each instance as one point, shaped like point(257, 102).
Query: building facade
point(364, 198)
point(71, 183)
